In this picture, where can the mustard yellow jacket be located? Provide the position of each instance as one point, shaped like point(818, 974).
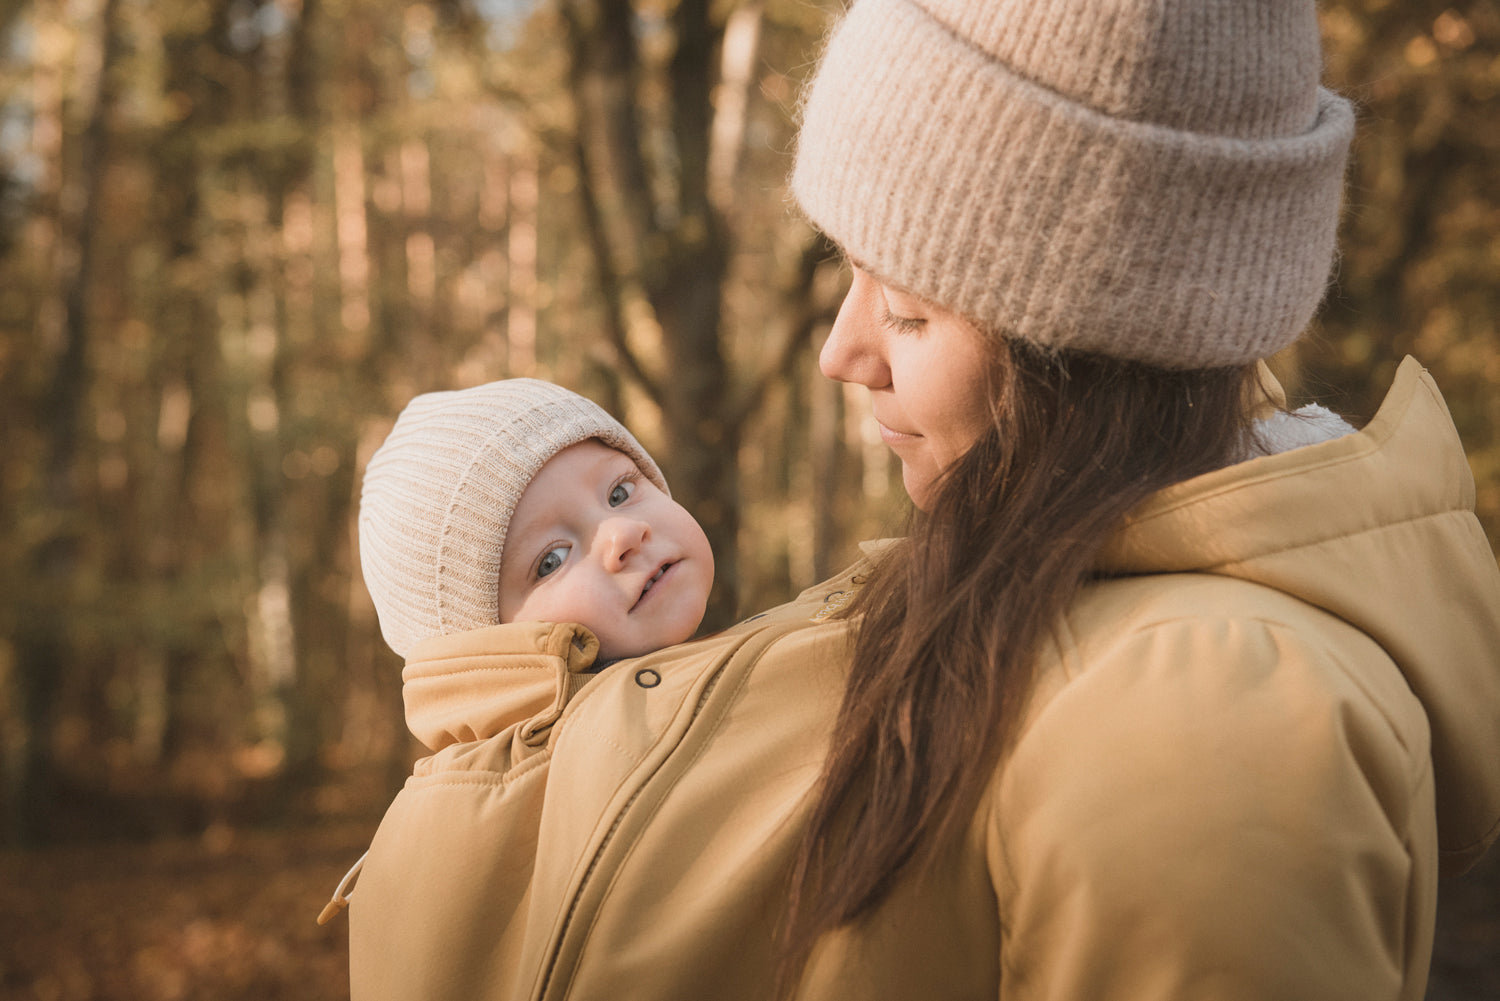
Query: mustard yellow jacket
point(1249, 752)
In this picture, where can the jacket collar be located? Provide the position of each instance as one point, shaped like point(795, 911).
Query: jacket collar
point(475, 684)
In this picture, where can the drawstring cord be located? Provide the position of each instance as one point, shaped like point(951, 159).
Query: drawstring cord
point(340, 899)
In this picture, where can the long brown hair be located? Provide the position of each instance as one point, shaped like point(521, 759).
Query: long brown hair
point(955, 613)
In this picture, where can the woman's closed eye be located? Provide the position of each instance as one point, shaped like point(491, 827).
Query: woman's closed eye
point(902, 324)
point(551, 561)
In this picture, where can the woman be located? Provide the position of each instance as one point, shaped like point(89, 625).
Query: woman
point(1167, 694)
point(1209, 683)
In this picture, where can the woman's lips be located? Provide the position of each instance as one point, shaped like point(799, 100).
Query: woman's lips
point(892, 437)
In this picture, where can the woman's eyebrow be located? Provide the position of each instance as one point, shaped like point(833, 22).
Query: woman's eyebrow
point(893, 286)
point(855, 262)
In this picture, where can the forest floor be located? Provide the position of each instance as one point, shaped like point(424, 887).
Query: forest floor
point(228, 916)
point(232, 915)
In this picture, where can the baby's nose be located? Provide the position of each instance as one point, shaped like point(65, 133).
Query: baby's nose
point(619, 538)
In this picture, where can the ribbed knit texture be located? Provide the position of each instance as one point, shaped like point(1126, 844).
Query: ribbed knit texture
point(1154, 180)
point(439, 493)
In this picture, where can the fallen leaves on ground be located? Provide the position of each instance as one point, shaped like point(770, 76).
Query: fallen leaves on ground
point(229, 916)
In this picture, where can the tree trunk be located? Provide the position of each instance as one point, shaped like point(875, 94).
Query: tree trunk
point(43, 647)
point(672, 255)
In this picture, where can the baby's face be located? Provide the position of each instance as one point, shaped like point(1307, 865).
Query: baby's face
point(593, 541)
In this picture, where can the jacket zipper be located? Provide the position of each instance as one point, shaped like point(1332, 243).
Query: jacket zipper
point(562, 933)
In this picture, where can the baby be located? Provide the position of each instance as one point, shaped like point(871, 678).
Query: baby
point(518, 501)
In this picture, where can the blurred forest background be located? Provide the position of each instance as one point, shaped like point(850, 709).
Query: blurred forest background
point(236, 236)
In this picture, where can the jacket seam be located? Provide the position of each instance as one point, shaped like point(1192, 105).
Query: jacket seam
point(1216, 568)
point(1254, 482)
point(487, 777)
point(437, 676)
point(599, 735)
point(1292, 629)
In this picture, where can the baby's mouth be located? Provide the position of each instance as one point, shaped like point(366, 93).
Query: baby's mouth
point(654, 578)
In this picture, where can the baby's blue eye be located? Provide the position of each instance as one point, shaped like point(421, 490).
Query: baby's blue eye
point(552, 561)
point(620, 494)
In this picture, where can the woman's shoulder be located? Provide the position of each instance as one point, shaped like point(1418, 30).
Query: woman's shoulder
point(1210, 770)
point(1153, 679)
point(1162, 668)
point(1203, 703)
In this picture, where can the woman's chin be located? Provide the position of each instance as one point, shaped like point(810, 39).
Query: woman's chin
point(918, 485)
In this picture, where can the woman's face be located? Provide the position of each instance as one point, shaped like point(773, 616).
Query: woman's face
point(925, 369)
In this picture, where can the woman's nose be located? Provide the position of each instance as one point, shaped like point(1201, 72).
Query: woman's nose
point(619, 538)
point(855, 349)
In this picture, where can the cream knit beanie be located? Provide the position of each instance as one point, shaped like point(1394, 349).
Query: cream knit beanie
point(439, 493)
point(1155, 180)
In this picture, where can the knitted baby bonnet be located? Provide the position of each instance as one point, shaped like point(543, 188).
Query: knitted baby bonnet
point(1153, 180)
point(439, 493)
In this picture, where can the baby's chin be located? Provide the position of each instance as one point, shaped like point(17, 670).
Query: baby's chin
point(610, 651)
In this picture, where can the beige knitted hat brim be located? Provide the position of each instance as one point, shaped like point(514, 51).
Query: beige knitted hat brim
point(946, 172)
point(439, 493)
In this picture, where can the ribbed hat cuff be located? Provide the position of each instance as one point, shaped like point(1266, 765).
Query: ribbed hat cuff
point(1037, 217)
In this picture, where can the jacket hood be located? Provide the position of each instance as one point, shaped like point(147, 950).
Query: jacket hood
point(1376, 527)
